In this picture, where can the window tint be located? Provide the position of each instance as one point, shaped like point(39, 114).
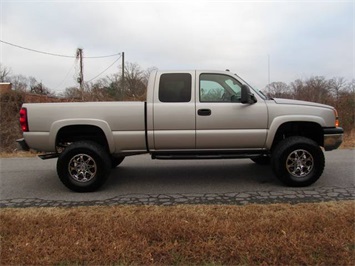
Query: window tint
point(175, 87)
point(219, 88)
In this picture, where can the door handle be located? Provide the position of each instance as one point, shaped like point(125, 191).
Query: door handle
point(204, 112)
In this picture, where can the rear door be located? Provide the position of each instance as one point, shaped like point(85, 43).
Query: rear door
point(174, 111)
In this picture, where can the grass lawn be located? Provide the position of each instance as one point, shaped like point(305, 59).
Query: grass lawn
point(277, 234)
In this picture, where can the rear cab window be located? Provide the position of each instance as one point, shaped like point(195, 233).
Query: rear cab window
point(175, 87)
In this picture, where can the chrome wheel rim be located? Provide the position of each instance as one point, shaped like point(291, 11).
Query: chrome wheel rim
point(299, 163)
point(82, 168)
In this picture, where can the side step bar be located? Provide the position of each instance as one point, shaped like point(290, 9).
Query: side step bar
point(48, 156)
point(202, 156)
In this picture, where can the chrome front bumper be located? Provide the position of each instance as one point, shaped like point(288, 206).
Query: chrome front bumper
point(333, 137)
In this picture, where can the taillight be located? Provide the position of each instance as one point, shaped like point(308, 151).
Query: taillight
point(23, 120)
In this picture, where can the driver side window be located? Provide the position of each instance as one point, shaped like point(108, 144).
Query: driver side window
point(210, 91)
point(219, 88)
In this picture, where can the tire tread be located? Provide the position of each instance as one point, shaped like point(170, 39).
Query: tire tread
point(103, 164)
point(287, 145)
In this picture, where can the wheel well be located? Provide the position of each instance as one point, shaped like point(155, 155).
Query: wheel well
point(309, 130)
point(69, 134)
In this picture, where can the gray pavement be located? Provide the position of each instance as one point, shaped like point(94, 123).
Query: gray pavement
point(265, 197)
point(27, 182)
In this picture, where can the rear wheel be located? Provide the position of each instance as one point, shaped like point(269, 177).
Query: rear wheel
point(84, 166)
point(298, 161)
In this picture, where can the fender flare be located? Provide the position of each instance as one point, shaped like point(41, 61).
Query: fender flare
point(280, 120)
point(103, 125)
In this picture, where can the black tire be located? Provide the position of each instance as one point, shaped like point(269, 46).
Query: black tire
point(298, 161)
point(84, 166)
point(262, 160)
point(116, 161)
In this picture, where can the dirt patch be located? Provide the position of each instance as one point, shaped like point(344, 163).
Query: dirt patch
point(18, 154)
point(306, 234)
point(349, 140)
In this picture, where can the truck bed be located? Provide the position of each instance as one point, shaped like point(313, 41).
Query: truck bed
point(123, 121)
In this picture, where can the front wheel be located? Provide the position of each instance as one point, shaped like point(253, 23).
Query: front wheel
point(261, 160)
point(84, 166)
point(116, 161)
point(298, 161)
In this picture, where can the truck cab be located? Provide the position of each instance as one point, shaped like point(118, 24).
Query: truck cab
point(203, 110)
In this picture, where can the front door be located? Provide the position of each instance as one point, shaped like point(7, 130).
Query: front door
point(222, 121)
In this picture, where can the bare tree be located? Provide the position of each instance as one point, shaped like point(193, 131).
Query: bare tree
point(278, 90)
point(38, 87)
point(297, 88)
point(113, 88)
point(350, 88)
point(4, 73)
point(19, 83)
point(314, 89)
point(134, 85)
point(336, 86)
point(72, 93)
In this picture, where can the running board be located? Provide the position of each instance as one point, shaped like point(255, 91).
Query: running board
point(202, 156)
point(48, 156)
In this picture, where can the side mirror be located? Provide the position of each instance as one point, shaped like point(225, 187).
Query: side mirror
point(246, 96)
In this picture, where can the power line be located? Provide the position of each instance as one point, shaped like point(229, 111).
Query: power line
point(66, 76)
point(104, 70)
point(53, 54)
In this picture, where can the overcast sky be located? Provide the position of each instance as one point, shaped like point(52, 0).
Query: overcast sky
point(301, 38)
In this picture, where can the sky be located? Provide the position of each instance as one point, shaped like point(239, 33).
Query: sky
point(261, 41)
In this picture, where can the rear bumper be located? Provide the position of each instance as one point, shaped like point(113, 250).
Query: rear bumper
point(22, 145)
point(333, 137)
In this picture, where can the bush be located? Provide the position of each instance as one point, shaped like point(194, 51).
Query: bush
point(10, 129)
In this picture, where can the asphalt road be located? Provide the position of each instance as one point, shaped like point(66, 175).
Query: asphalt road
point(140, 180)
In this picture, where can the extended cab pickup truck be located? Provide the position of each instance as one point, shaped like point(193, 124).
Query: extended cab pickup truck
point(187, 115)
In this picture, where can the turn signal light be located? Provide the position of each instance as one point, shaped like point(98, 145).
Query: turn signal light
point(23, 120)
point(336, 118)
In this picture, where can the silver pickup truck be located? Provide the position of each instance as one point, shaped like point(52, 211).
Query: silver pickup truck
point(187, 115)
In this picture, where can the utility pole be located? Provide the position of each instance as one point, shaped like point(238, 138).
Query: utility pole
point(122, 72)
point(79, 56)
